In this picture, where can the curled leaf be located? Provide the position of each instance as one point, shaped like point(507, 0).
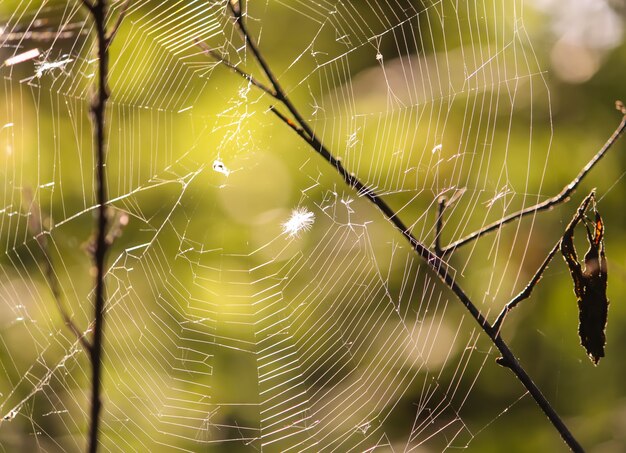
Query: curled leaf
point(590, 287)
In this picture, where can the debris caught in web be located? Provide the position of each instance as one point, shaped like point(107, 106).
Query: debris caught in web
point(44, 66)
point(590, 288)
point(219, 167)
point(301, 220)
point(22, 57)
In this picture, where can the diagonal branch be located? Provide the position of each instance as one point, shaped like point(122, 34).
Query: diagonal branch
point(508, 359)
point(35, 228)
point(53, 282)
point(87, 4)
point(527, 291)
point(434, 262)
point(297, 129)
point(561, 197)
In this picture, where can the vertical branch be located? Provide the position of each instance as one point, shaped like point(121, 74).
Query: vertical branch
point(441, 206)
point(98, 12)
point(98, 111)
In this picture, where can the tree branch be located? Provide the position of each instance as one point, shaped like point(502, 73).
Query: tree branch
point(441, 206)
point(561, 197)
point(527, 291)
point(87, 4)
point(35, 227)
point(98, 12)
point(297, 129)
point(433, 261)
point(53, 282)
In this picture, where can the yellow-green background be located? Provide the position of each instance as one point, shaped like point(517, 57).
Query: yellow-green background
point(207, 248)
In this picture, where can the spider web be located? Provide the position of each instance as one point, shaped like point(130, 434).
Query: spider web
point(256, 303)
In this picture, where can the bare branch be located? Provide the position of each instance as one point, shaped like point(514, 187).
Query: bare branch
point(98, 114)
point(35, 227)
point(234, 7)
point(87, 4)
point(298, 130)
point(441, 206)
point(527, 291)
point(55, 288)
point(434, 262)
point(561, 197)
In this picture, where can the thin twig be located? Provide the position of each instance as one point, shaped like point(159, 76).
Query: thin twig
point(527, 291)
point(119, 21)
point(441, 206)
point(98, 112)
point(561, 197)
point(297, 129)
point(87, 4)
point(53, 282)
point(250, 78)
point(433, 261)
point(35, 227)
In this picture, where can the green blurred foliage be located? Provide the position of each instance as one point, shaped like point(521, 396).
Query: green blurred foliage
point(203, 260)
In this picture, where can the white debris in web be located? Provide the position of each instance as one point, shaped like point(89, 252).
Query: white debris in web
point(219, 167)
point(10, 416)
point(22, 57)
point(352, 140)
point(437, 148)
point(501, 194)
point(44, 66)
point(301, 220)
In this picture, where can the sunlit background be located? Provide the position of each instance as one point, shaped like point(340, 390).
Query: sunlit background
point(255, 301)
